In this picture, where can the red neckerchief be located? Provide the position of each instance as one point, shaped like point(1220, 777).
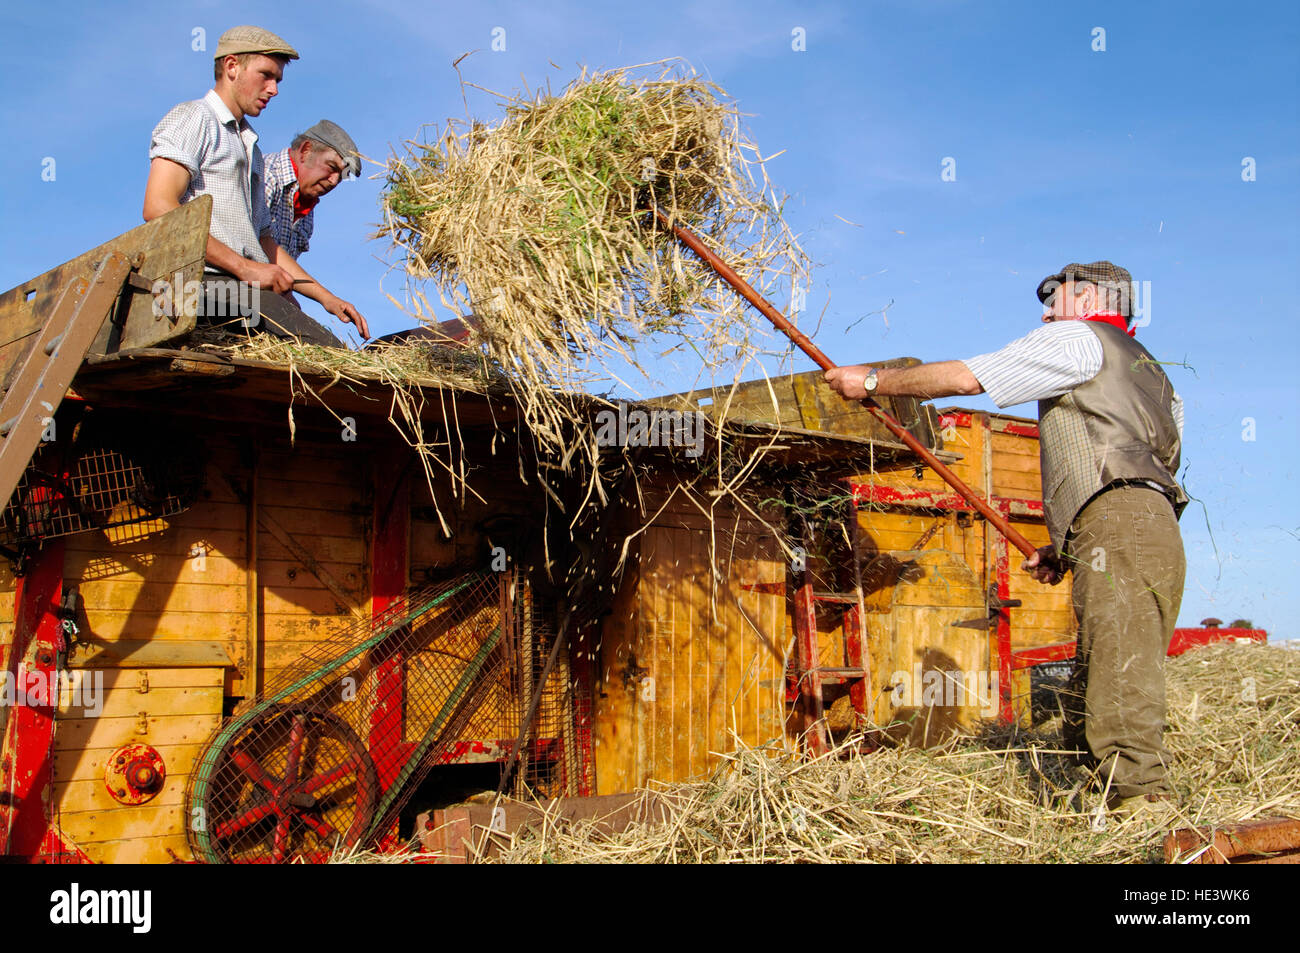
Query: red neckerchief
point(301, 205)
point(1114, 320)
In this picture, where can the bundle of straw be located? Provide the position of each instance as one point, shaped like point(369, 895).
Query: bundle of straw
point(540, 227)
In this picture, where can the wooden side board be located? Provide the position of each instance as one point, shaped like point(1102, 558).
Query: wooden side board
point(164, 248)
point(172, 710)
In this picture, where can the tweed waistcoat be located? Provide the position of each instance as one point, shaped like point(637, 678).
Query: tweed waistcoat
point(1117, 427)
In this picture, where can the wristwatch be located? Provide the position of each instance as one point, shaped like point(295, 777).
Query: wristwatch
point(870, 382)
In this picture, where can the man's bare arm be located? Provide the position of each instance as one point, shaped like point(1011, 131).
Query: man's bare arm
point(168, 181)
point(940, 379)
point(343, 310)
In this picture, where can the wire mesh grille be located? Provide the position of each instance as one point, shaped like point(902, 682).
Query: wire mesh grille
point(548, 760)
point(331, 751)
point(104, 486)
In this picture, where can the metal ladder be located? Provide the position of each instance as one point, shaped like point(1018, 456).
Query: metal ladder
point(810, 677)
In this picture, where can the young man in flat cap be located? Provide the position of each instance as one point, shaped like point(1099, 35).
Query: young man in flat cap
point(1110, 429)
point(298, 177)
point(207, 147)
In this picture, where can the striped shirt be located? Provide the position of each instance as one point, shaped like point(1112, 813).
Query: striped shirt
point(223, 160)
point(294, 236)
point(1047, 362)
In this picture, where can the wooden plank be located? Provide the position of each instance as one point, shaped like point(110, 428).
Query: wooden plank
point(122, 702)
point(150, 654)
point(39, 382)
point(151, 596)
point(613, 725)
point(140, 850)
point(87, 764)
point(72, 797)
point(218, 544)
point(162, 729)
point(123, 823)
point(174, 242)
point(109, 626)
point(304, 627)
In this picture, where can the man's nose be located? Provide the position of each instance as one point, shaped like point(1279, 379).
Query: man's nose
point(273, 89)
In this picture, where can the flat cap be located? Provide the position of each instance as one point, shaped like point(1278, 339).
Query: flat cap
point(332, 135)
point(252, 39)
point(1096, 272)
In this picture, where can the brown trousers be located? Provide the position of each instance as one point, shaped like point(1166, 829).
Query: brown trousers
point(1128, 571)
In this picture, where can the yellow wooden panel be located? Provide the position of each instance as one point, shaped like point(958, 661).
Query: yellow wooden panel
point(1018, 485)
point(161, 729)
point(289, 575)
point(342, 550)
point(200, 565)
point(123, 823)
point(160, 597)
point(153, 679)
point(305, 524)
point(304, 627)
point(229, 543)
point(140, 850)
point(88, 764)
point(71, 797)
point(319, 602)
point(614, 740)
point(123, 702)
point(110, 625)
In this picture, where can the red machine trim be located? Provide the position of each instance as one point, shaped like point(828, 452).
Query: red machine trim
point(388, 577)
point(27, 770)
point(1185, 639)
point(1042, 654)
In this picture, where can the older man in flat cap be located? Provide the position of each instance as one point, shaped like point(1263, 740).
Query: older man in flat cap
point(207, 147)
point(1110, 429)
point(298, 177)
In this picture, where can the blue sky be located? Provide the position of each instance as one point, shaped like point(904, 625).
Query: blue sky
point(1063, 153)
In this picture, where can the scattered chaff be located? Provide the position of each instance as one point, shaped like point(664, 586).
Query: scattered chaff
point(1007, 796)
point(415, 375)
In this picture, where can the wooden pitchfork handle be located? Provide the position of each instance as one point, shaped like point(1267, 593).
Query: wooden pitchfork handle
point(805, 344)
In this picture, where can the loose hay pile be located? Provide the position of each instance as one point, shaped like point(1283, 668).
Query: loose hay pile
point(1006, 797)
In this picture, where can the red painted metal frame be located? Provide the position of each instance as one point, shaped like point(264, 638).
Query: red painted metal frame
point(1006, 712)
point(962, 418)
point(879, 495)
point(26, 772)
point(1042, 655)
point(810, 686)
point(388, 581)
point(1185, 639)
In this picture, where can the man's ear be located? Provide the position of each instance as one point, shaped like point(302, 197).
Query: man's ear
point(1085, 302)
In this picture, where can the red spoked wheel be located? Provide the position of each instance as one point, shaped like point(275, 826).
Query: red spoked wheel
point(296, 784)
